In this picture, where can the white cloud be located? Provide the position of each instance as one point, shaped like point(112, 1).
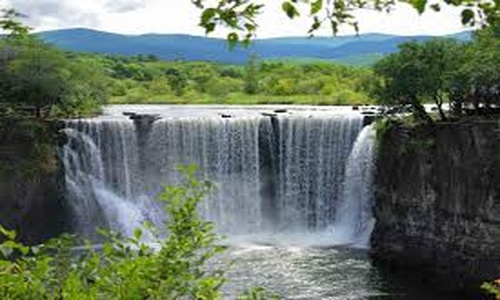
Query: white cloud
point(180, 16)
point(58, 13)
point(121, 6)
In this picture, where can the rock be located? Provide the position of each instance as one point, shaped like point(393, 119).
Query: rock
point(268, 114)
point(225, 116)
point(144, 120)
point(129, 114)
point(438, 202)
point(355, 107)
point(144, 117)
point(280, 111)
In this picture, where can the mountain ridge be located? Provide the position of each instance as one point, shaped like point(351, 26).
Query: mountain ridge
point(199, 48)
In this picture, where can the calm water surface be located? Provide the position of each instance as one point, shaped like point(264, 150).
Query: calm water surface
point(318, 273)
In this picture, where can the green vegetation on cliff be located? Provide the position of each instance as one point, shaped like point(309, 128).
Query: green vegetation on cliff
point(443, 71)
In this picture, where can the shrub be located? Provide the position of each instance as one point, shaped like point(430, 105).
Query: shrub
point(125, 267)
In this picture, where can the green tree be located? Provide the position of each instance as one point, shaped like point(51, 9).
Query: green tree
point(38, 76)
point(478, 78)
point(439, 60)
point(251, 75)
point(419, 72)
point(201, 73)
point(177, 79)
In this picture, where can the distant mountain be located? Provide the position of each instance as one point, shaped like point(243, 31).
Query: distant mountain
point(362, 49)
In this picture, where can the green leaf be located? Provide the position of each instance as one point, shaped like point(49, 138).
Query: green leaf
point(419, 5)
point(316, 6)
point(137, 233)
point(316, 24)
point(9, 234)
point(289, 9)
point(232, 39)
point(207, 15)
point(209, 27)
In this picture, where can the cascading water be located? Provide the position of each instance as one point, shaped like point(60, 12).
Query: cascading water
point(312, 155)
point(226, 151)
point(354, 221)
point(291, 173)
point(100, 172)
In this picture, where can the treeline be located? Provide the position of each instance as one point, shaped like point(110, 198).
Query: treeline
point(464, 75)
point(144, 79)
point(36, 76)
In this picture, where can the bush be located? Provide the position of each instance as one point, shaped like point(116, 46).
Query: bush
point(492, 288)
point(125, 268)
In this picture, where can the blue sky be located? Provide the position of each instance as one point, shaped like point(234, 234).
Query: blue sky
point(180, 16)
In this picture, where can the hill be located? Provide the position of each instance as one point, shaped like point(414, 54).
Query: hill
point(363, 49)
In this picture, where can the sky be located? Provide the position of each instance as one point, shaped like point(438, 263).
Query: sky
point(180, 16)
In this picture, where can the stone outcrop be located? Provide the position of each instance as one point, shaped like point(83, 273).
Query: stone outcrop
point(438, 201)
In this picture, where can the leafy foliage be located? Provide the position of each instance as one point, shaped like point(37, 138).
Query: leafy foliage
point(442, 71)
point(124, 267)
point(241, 15)
point(256, 82)
point(492, 288)
point(9, 23)
point(38, 75)
point(419, 72)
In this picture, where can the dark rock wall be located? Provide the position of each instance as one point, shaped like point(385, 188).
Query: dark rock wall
point(438, 201)
point(31, 189)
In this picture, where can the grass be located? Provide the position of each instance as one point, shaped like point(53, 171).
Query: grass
point(245, 99)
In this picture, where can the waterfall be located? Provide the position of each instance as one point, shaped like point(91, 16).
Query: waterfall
point(226, 151)
point(100, 172)
point(312, 156)
point(354, 221)
point(291, 173)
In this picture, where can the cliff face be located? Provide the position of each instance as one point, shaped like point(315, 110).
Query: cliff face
point(30, 191)
point(438, 201)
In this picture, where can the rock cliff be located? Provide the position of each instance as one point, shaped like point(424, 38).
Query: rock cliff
point(438, 201)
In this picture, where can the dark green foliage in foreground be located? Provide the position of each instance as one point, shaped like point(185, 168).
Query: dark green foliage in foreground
point(492, 288)
point(125, 268)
